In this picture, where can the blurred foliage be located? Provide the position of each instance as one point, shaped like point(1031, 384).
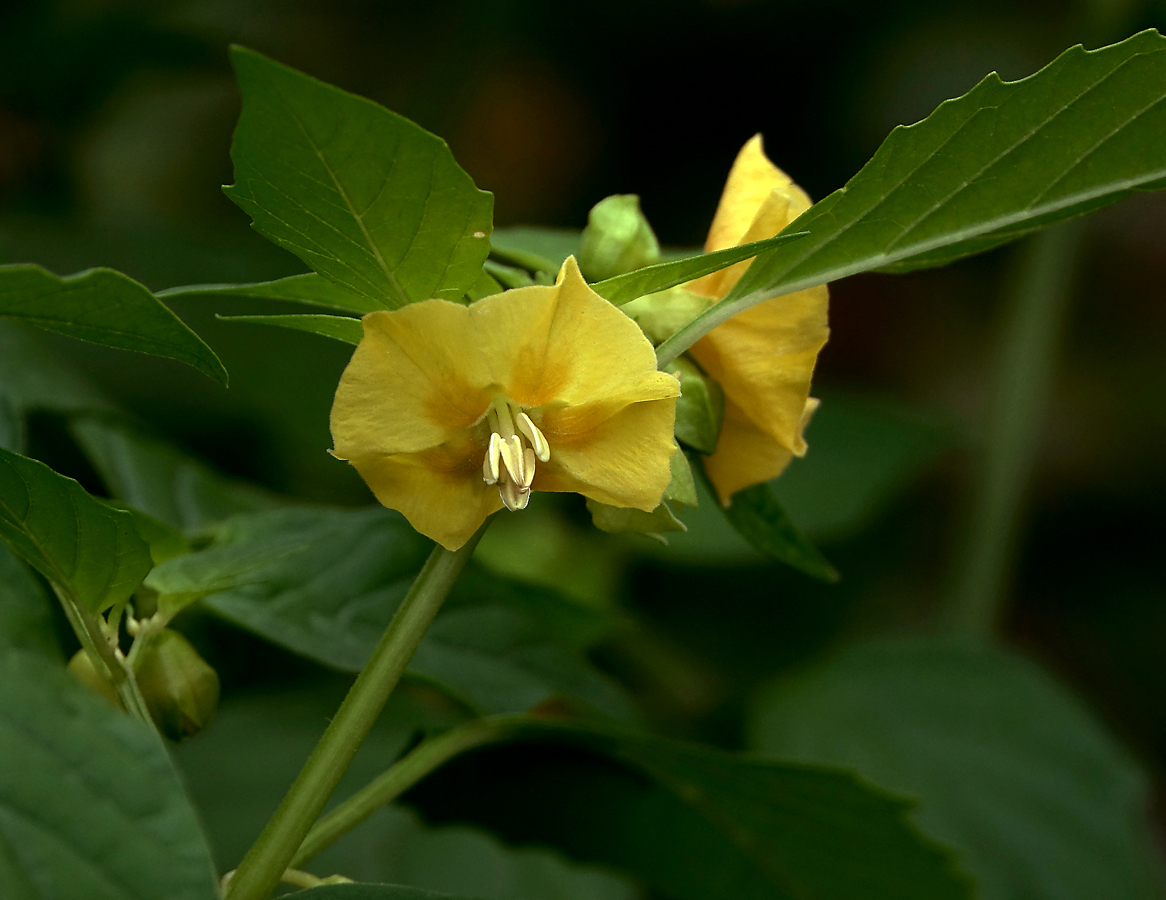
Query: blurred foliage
point(115, 123)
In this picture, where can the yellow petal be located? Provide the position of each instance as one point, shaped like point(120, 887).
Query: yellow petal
point(417, 377)
point(764, 359)
point(575, 348)
point(440, 491)
point(623, 461)
point(745, 456)
point(751, 180)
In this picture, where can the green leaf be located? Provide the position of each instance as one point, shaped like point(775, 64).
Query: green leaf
point(86, 548)
point(1010, 769)
point(309, 288)
point(340, 328)
point(864, 452)
point(537, 249)
point(758, 517)
point(695, 823)
point(105, 307)
point(26, 616)
point(383, 892)
point(31, 378)
point(153, 476)
point(90, 806)
point(623, 520)
point(983, 169)
point(365, 197)
point(324, 583)
point(624, 288)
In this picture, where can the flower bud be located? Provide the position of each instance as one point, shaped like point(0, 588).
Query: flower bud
point(617, 239)
point(180, 689)
point(94, 677)
point(700, 411)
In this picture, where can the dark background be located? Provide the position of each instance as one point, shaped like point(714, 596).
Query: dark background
point(115, 124)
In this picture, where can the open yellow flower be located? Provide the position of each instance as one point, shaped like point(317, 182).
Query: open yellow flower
point(451, 412)
point(763, 357)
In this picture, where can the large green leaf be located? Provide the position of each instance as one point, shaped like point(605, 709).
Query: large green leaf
point(325, 583)
point(88, 549)
point(1005, 158)
point(537, 248)
point(1010, 769)
point(150, 475)
point(693, 823)
point(339, 328)
point(365, 197)
point(90, 806)
point(238, 771)
point(105, 307)
point(310, 288)
point(26, 617)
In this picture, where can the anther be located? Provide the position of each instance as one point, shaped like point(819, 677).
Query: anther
point(537, 439)
point(490, 470)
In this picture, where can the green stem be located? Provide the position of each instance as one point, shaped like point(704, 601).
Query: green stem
point(267, 860)
point(92, 638)
point(1020, 388)
point(425, 758)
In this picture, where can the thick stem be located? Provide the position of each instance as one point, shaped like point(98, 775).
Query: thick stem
point(406, 772)
point(267, 860)
point(1020, 388)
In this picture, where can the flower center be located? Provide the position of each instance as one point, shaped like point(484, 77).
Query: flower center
point(516, 444)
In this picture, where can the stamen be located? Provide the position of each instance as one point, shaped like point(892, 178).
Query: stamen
point(537, 439)
point(490, 463)
point(510, 463)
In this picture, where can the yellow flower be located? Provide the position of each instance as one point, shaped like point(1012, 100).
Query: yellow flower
point(451, 412)
point(763, 357)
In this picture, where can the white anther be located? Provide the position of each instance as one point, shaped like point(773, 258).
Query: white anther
point(511, 449)
point(537, 439)
point(528, 468)
point(513, 497)
point(490, 470)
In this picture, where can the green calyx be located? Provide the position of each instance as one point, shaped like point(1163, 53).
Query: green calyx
point(617, 239)
point(700, 411)
point(180, 688)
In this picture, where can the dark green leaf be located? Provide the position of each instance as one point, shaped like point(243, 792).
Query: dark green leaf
point(26, 618)
point(864, 452)
point(1005, 158)
point(1010, 768)
point(758, 517)
point(310, 288)
point(623, 288)
point(30, 378)
point(151, 475)
point(695, 824)
point(537, 249)
point(105, 307)
point(365, 197)
point(89, 550)
point(340, 328)
point(378, 892)
point(90, 807)
point(324, 583)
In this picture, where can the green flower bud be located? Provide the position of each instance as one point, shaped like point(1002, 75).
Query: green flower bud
point(700, 411)
point(617, 239)
point(180, 689)
point(94, 677)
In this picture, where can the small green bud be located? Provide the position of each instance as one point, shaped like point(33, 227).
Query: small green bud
point(617, 239)
point(619, 520)
point(93, 677)
point(180, 689)
point(700, 411)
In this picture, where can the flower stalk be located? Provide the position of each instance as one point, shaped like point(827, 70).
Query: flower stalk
point(270, 856)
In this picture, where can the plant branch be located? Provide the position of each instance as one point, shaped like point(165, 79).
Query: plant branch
point(424, 759)
point(1019, 393)
point(267, 860)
